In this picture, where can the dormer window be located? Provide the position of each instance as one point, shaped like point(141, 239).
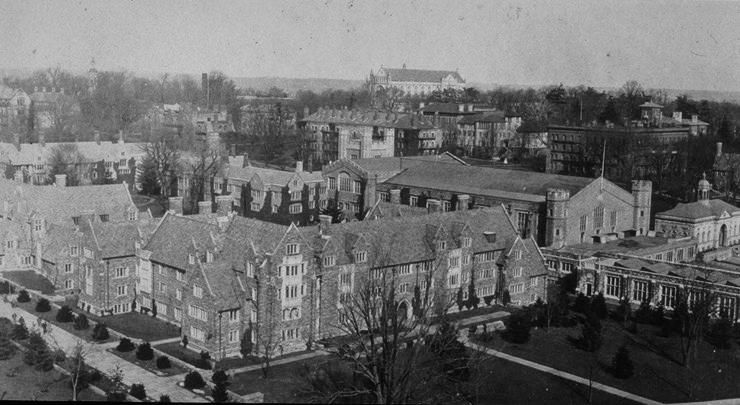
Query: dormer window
point(360, 257)
point(467, 242)
point(197, 291)
point(209, 257)
point(132, 216)
point(441, 245)
point(73, 250)
point(191, 259)
point(104, 218)
point(292, 248)
point(329, 261)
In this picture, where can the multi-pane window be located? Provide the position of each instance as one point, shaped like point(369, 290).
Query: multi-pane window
point(197, 334)
point(357, 186)
point(332, 183)
point(162, 287)
point(345, 183)
point(518, 271)
point(360, 257)
point(290, 334)
point(121, 271)
point(404, 269)
point(413, 201)
point(295, 208)
point(640, 290)
point(467, 242)
point(446, 206)
point(384, 196)
point(255, 206)
point(454, 261)
point(291, 291)
point(291, 270)
point(613, 219)
point(516, 288)
point(329, 261)
point(584, 223)
point(197, 313)
point(104, 217)
point(345, 280)
point(403, 288)
point(523, 219)
point(178, 294)
point(295, 195)
point(727, 307)
point(197, 291)
point(73, 250)
point(486, 257)
point(599, 217)
point(179, 275)
point(233, 336)
point(121, 290)
point(68, 267)
point(292, 248)
point(69, 283)
point(233, 315)
point(454, 280)
point(668, 296)
point(613, 286)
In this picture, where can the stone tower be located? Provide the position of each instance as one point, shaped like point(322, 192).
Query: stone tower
point(641, 192)
point(557, 214)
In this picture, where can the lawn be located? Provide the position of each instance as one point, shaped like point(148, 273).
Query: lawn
point(231, 363)
point(50, 318)
point(500, 382)
point(481, 310)
point(174, 349)
point(20, 382)
point(658, 373)
point(150, 365)
point(30, 280)
point(137, 325)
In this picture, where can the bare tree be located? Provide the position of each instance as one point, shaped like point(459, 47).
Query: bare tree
point(66, 159)
point(77, 367)
point(205, 160)
point(696, 304)
point(164, 153)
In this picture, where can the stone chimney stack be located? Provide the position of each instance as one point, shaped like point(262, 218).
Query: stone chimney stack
point(306, 112)
point(60, 180)
point(324, 223)
point(120, 137)
point(369, 194)
point(395, 196)
point(433, 205)
point(678, 116)
point(233, 149)
point(223, 204)
point(175, 205)
point(461, 107)
point(17, 141)
point(719, 149)
point(463, 201)
point(204, 207)
point(245, 161)
point(42, 138)
point(97, 137)
point(299, 166)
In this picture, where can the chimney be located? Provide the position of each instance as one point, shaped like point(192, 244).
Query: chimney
point(17, 141)
point(694, 118)
point(369, 195)
point(306, 112)
point(204, 88)
point(433, 205)
point(43, 89)
point(60, 180)
point(233, 149)
point(463, 201)
point(470, 107)
point(719, 149)
point(678, 116)
point(421, 105)
point(120, 137)
point(395, 196)
point(42, 138)
point(97, 137)
point(245, 161)
point(299, 166)
point(204, 207)
point(461, 107)
point(223, 204)
point(490, 236)
point(61, 90)
point(175, 205)
point(324, 223)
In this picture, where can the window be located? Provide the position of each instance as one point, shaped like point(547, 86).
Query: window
point(599, 217)
point(291, 291)
point(467, 242)
point(345, 280)
point(295, 195)
point(584, 223)
point(37, 225)
point(255, 206)
point(360, 257)
point(132, 216)
point(345, 183)
point(121, 290)
point(357, 186)
point(121, 272)
point(295, 208)
point(403, 288)
point(383, 196)
point(68, 267)
point(197, 334)
point(329, 261)
point(292, 249)
point(441, 245)
point(290, 334)
point(290, 271)
point(466, 260)
point(518, 272)
point(640, 290)
point(162, 287)
point(275, 208)
point(413, 201)
point(332, 183)
point(178, 294)
point(517, 288)
point(69, 283)
point(73, 250)
point(613, 286)
point(191, 260)
point(312, 204)
point(88, 253)
point(668, 296)
point(669, 256)
point(103, 217)
point(376, 273)
point(446, 206)
point(404, 269)
point(233, 336)
point(197, 291)
point(454, 261)
point(453, 280)
point(613, 219)
point(727, 307)
point(523, 219)
point(197, 313)
point(486, 257)
point(179, 275)
point(345, 298)
point(233, 315)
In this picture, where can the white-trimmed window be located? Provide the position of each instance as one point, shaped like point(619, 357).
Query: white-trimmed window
point(517, 288)
point(179, 275)
point(360, 257)
point(329, 261)
point(233, 315)
point(295, 196)
point(404, 269)
point(292, 248)
point(69, 283)
point(345, 279)
point(640, 290)
point(613, 286)
point(197, 334)
point(233, 336)
point(668, 296)
point(518, 271)
point(178, 294)
point(120, 290)
point(68, 267)
point(250, 269)
point(295, 208)
point(197, 291)
point(177, 313)
point(197, 313)
point(121, 272)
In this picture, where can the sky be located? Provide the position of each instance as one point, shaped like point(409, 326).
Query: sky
point(661, 44)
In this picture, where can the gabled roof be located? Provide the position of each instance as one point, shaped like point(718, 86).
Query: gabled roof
point(271, 176)
point(383, 209)
point(492, 117)
point(386, 167)
point(178, 236)
point(699, 209)
point(421, 75)
point(7, 93)
point(35, 153)
point(494, 182)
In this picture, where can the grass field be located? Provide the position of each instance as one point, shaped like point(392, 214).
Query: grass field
point(139, 326)
point(30, 280)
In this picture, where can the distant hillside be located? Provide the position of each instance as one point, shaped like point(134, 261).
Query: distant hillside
point(292, 85)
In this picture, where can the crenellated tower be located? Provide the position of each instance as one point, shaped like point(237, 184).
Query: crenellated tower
point(642, 194)
point(557, 215)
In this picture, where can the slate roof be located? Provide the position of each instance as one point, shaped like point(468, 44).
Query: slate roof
point(370, 117)
point(224, 285)
point(177, 236)
point(383, 209)
point(493, 182)
point(271, 176)
point(35, 153)
point(448, 108)
point(492, 117)
point(420, 75)
point(699, 209)
point(60, 204)
point(386, 167)
point(116, 239)
point(636, 246)
point(7, 93)
point(686, 271)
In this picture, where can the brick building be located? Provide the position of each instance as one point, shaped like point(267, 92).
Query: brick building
point(223, 277)
point(487, 134)
point(351, 184)
point(416, 81)
point(554, 209)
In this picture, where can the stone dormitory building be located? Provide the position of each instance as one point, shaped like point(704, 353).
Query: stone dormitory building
point(82, 239)
point(415, 81)
point(222, 277)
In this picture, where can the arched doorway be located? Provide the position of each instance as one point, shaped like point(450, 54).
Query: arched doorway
point(723, 235)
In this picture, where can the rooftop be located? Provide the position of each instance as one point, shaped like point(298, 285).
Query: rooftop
point(636, 245)
point(699, 210)
point(420, 75)
point(36, 153)
point(370, 117)
point(386, 167)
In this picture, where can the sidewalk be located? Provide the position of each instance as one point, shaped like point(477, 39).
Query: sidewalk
point(104, 361)
point(562, 374)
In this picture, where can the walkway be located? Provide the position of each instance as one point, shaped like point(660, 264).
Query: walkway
point(278, 362)
point(104, 361)
point(562, 374)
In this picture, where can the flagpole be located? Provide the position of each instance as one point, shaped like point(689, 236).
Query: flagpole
point(603, 161)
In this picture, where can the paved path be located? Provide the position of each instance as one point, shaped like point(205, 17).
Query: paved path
point(285, 360)
point(562, 374)
point(104, 361)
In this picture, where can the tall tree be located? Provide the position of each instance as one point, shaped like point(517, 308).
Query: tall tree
point(163, 153)
point(67, 159)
